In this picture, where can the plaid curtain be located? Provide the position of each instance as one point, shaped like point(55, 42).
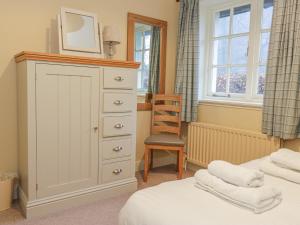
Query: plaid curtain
point(187, 62)
point(154, 68)
point(281, 109)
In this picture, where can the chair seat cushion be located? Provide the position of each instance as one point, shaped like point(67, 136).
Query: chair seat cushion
point(164, 139)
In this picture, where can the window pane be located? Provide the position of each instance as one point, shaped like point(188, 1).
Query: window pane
point(241, 19)
point(139, 80)
point(222, 20)
point(239, 50)
point(146, 58)
point(138, 57)
point(138, 40)
point(147, 39)
point(264, 47)
point(261, 80)
point(238, 79)
point(145, 77)
point(267, 14)
point(221, 52)
point(219, 79)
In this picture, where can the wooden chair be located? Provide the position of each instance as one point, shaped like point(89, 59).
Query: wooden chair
point(165, 130)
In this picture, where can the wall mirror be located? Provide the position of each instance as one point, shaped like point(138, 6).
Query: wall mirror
point(146, 43)
point(79, 33)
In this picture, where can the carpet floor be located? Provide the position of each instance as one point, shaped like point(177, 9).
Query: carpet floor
point(104, 212)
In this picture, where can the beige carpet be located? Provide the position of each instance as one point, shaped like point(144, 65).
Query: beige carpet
point(103, 212)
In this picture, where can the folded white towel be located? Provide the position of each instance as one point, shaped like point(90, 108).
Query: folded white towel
point(235, 174)
point(256, 199)
point(286, 158)
point(273, 169)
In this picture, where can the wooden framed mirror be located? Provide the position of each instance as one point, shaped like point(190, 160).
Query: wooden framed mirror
point(146, 43)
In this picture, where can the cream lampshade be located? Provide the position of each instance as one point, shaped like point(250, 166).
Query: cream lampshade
point(111, 36)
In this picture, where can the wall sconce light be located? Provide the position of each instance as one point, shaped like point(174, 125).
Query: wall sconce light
point(112, 37)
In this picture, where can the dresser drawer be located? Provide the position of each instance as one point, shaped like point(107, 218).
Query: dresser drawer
point(116, 171)
point(117, 78)
point(113, 149)
point(117, 126)
point(117, 102)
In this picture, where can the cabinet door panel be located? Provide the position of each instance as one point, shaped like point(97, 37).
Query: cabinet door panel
point(67, 112)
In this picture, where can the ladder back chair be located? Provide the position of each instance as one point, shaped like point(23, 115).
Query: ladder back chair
point(165, 130)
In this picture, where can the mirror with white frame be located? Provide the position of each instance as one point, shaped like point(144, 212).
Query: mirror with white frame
point(79, 33)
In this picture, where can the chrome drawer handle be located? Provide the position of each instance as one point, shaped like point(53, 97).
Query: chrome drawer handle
point(119, 78)
point(119, 126)
point(118, 148)
point(118, 102)
point(117, 171)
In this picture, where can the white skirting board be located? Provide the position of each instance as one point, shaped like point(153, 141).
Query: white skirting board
point(45, 206)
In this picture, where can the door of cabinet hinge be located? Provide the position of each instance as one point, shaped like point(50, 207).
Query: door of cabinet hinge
point(36, 186)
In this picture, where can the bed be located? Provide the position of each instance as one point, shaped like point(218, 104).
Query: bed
point(180, 203)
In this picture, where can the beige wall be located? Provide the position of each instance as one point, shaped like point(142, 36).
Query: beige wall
point(248, 118)
point(28, 25)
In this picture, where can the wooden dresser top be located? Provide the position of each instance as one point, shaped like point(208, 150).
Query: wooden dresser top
point(37, 56)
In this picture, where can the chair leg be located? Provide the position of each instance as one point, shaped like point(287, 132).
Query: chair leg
point(146, 163)
point(180, 163)
point(177, 170)
point(151, 159)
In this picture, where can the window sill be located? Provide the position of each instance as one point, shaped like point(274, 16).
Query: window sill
point(141, 94)
point(257, 105)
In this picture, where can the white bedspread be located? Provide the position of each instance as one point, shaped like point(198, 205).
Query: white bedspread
point(180, 203)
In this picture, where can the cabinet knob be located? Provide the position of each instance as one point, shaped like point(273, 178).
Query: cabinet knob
point(117, 171)
point(118, 102)
point(119, 78)
point(118, 148)
point(95, 129)
point(119, 126)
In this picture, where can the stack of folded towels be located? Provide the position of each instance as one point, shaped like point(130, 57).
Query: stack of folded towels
point(284, 163)
point(238, 185)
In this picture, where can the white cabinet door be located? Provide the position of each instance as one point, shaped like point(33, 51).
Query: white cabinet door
point(67, 102)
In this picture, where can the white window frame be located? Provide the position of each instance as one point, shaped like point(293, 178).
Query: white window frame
point(255, 31)
point(257, 61)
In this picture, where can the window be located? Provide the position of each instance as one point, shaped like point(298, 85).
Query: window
point(265, 28)
point(238, 50)
point(143, 35)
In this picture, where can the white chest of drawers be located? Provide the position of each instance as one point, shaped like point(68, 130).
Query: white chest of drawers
point(77, 130)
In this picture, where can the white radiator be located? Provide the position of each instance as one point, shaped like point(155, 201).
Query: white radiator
point(207, 142)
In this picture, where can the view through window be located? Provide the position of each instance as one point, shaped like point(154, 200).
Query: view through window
point(239, 50)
